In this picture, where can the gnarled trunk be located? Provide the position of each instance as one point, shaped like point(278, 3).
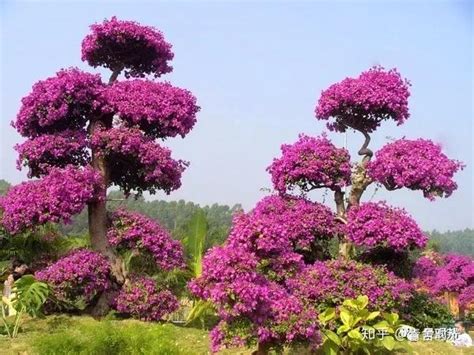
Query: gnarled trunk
point(97, 218)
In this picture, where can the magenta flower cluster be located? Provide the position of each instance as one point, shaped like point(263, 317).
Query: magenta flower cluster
point(47, 151)
point(329, 283)
point(140, 298)
point(65, 101)
point(131, 230)
point(446, 273)
point(251, 306)
point(159, 109)
point(245, 278)
point(117, 45)
point(55, 198)
point(137, 162)
point(280, 230)
point(363, 102)
point(79, 276)
point(311, 162)
point(377, 224)
point(415, 164)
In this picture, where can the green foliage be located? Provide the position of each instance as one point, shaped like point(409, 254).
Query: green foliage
point(459, 242)
point(38, 246)
point(422, 311)
point(352, 321)
point(194, 241)
point(29, 297)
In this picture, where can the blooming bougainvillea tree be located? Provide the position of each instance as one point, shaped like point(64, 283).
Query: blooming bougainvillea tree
point(278, 260)
point(84, 135)
point(437, 274)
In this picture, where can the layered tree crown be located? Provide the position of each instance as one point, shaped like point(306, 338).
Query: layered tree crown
point(71, 117)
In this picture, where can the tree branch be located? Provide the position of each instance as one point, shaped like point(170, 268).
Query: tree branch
point(115, 75)
point(339, 199)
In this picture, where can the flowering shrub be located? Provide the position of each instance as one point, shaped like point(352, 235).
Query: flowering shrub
point(310, 163)
point(160, 109)
point(279, 224)
point(79, 276)
point(252, 307)
point(119, 44)
point(131, 230)
point(44, 152)
point(55, 198)
point(446, 273)
point(137, 162)
point(372, 224)
point(327, 284)
point(363, 102)
point(65, 101)
point(141, 299)
point(415, 164)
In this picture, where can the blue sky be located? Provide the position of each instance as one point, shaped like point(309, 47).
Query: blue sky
point(257, 69)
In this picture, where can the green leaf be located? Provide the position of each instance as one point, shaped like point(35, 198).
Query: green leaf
point(392, 318)
point(355, 334)
point(330, 348)
point(333, 337)
point(372, 315)
point(346, 317)
point(195, 240)
point(363, 301)
point(381, 325)
point(343, 328)
point(199, 309)
point(388, 342)
point(351, 303)
point(327, 315)
point(30, 295)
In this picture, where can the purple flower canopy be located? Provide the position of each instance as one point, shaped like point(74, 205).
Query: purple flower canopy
point(376, 224)
point(417, 165)
point(363, 102)
point(310, 163)
point(138, 49)
point(55, 198)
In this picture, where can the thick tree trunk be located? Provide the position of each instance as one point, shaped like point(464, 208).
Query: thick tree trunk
point(97, 217)
point(359, 183)
point(262, 349)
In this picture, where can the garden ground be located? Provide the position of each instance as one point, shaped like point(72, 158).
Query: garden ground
point(84, 335)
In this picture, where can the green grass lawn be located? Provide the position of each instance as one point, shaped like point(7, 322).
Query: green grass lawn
point(84, 335)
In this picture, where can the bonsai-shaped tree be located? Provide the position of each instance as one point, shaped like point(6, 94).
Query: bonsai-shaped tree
point(84, 135)
point(274, 273)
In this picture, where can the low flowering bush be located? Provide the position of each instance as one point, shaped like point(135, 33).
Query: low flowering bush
point(77, 278)
point(310, 163)
point(55, 198)
point(364, 102)
point(417, 165)
point(252, 308)
point(146, 164)
point(376, 224)
point(327, 284)
point(446, 273)
point(141, 299)
point(131, 230)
